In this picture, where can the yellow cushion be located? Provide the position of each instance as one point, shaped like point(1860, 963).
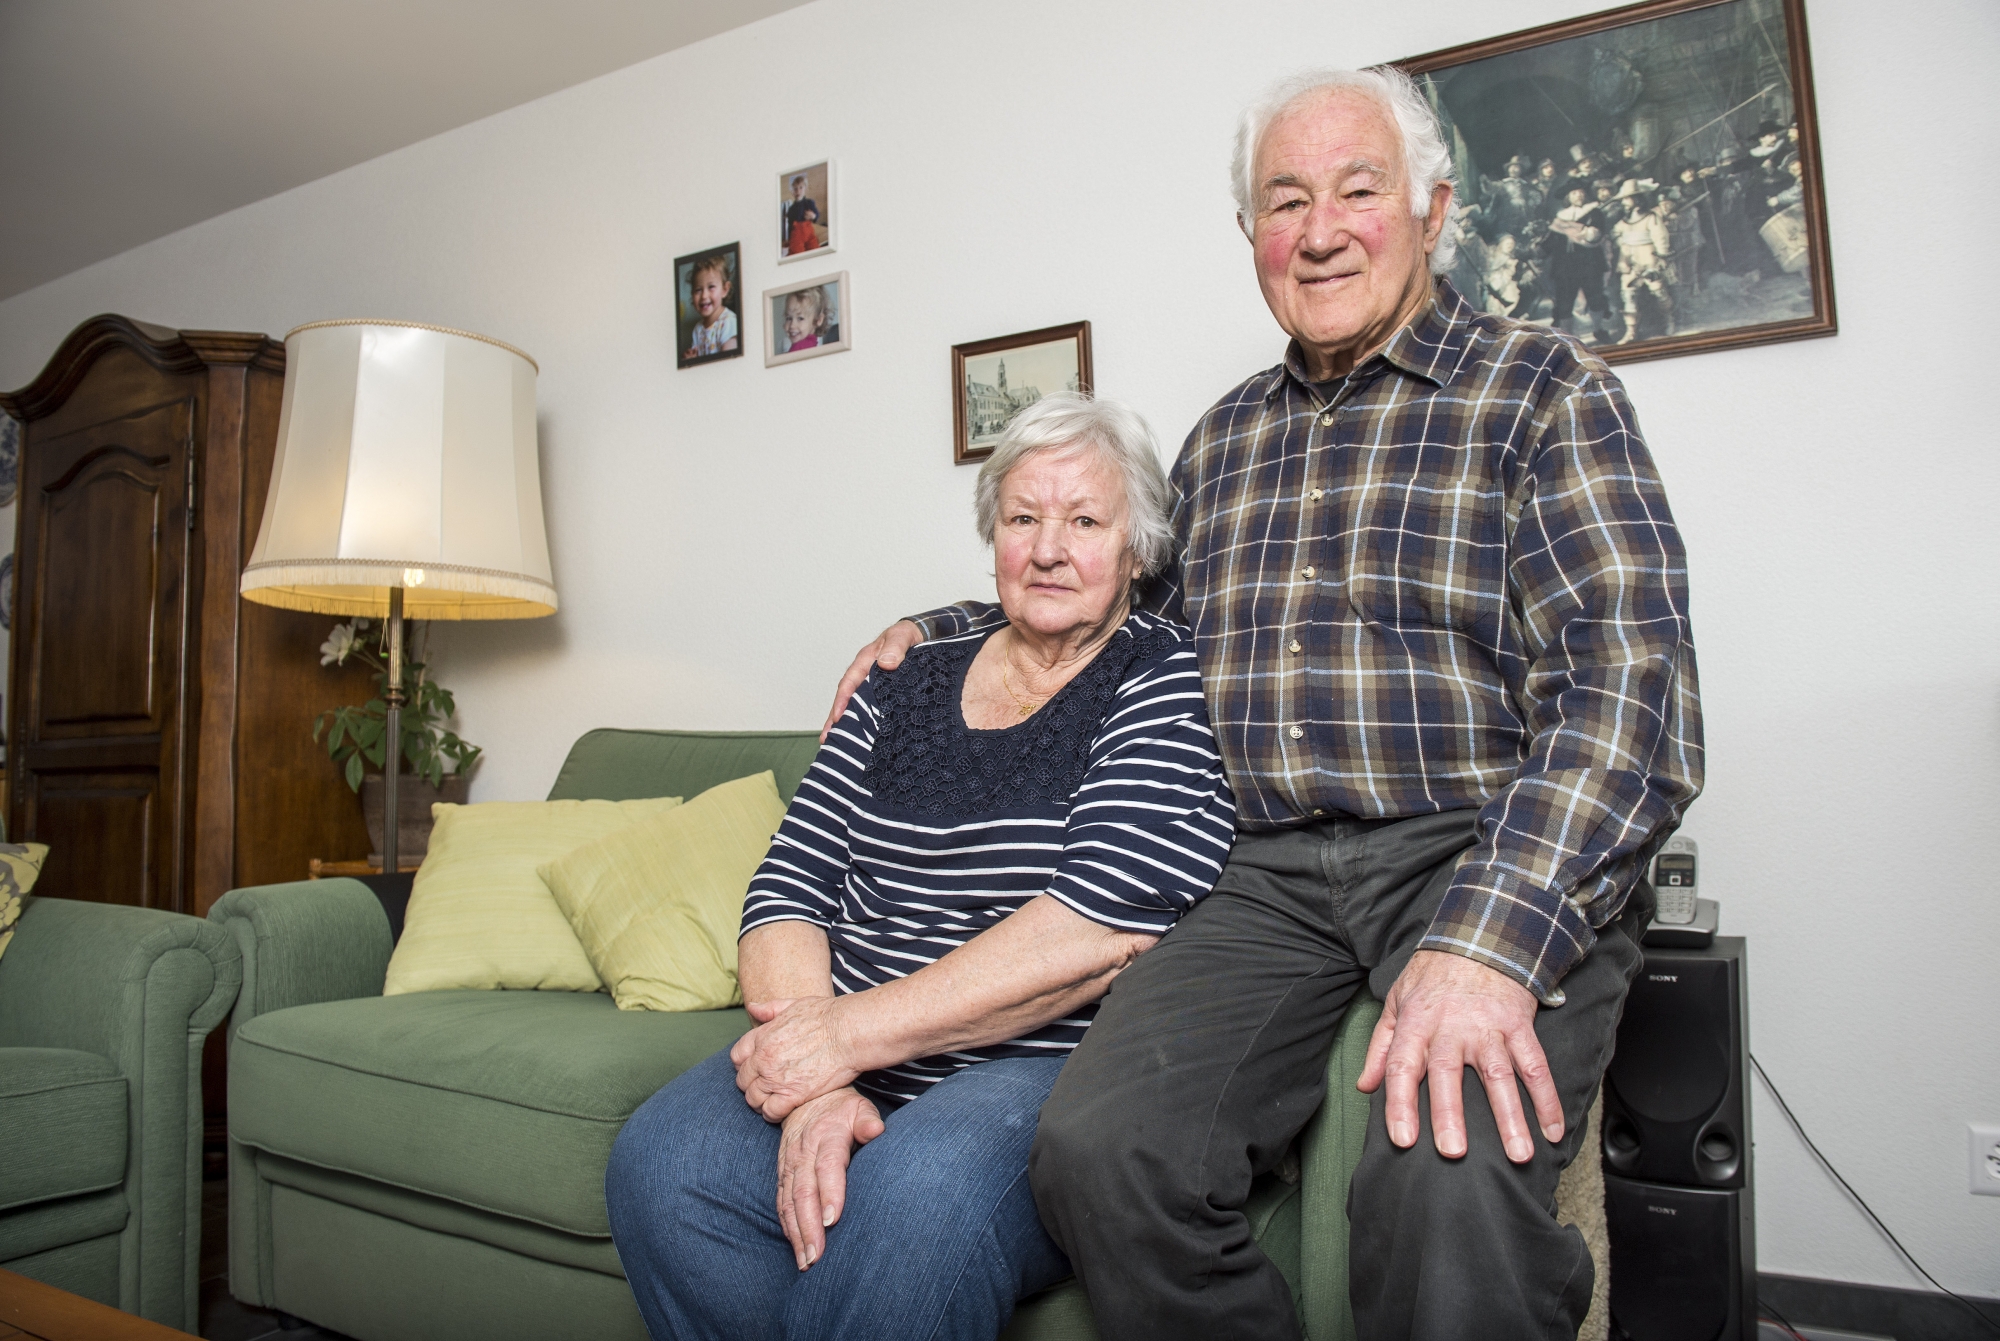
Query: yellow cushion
point(480, 916)
point(20, 865)
point(657, 905)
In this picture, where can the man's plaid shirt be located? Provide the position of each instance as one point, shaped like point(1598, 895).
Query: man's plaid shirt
point(1453, 583)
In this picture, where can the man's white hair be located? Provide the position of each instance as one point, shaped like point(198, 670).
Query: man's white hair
point(1426, 160)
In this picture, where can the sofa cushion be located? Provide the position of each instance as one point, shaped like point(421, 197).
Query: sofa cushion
point(20, 865)
point(657, 905)
point(503, 1101)
point(479, 916)
point(64, 1115)
point(61, 1222)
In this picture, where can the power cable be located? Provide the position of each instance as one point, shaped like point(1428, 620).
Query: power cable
point(1779, 1319)
point(1866, 1210)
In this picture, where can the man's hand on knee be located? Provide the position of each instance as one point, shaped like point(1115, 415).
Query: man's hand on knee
point(1448, 1013)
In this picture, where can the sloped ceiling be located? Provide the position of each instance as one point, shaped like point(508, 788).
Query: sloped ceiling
point(124, 120)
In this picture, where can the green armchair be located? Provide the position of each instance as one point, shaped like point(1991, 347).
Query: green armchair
point(103, 1011)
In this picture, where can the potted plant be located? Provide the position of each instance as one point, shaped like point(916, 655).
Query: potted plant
point(355, 736)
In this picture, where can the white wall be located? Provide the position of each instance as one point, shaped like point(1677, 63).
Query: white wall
point(725, 537)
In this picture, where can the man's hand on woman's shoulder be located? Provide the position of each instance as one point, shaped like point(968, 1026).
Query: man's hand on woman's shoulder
point(887, 651)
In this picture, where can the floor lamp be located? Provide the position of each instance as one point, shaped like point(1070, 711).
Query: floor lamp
point(406, 485)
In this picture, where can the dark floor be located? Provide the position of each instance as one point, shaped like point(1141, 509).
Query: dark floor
point(223, 1318)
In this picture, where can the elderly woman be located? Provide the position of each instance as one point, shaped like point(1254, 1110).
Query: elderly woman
point(987, 837)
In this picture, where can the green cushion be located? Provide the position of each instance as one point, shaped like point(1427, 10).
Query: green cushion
point(89, 1268)
point(365, 1275)
point(59, 1223)
point(503, 1101)
point(616, 765)
point(64, 1115)
point(589, 1252)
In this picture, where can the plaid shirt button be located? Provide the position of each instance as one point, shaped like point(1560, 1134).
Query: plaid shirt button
point(1315, 495)
point(1310, 571)
point(1297, 646)
point(1326, 421)
point(1298, 733)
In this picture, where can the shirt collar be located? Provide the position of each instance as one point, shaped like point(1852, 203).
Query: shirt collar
point(1430, 346)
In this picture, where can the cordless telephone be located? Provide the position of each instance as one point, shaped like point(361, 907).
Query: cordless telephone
point(1680, 918)
point(1673, 881)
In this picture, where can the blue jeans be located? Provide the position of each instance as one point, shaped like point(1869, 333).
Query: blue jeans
point(937, 1240)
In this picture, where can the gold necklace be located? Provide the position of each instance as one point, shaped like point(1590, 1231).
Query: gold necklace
point(1027, 708)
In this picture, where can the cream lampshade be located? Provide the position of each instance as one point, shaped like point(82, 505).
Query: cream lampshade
point(406, 484)
point(406, 460)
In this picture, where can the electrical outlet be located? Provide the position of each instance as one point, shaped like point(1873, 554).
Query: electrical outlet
point(1985, 1152)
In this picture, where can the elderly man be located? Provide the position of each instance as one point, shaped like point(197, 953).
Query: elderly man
point(1440, 610)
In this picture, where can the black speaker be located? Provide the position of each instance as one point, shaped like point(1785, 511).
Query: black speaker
point(1676, 1097)
point(1680, 1263)
point(1678, 1191)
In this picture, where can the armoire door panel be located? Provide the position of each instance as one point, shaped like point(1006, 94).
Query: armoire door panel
point(106, 589)
point(101, 565)
point(104, 836)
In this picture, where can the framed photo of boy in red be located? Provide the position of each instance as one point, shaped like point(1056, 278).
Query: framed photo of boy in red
point(805, 212)
point(708, 310)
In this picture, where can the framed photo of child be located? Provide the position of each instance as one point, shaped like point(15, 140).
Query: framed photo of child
point(994, 380)
point(708, 318)
point(807, 319)
point(805, 212)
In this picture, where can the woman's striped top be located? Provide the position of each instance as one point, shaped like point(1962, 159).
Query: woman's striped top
point(912, 832)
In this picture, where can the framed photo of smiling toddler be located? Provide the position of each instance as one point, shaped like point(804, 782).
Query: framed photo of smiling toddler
point(807, 319)
point(708, 315)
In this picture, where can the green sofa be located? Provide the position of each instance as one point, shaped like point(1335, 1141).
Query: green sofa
point(103, 1011)
point(431, 1166)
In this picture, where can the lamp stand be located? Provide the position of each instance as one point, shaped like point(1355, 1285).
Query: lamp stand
point(392, 729)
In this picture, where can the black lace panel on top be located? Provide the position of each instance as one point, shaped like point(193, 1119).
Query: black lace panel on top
point(928, 760)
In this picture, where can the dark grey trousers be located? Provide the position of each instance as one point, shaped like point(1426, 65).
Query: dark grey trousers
point(1208, 1057)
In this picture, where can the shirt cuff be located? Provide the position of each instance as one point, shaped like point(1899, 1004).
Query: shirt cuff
point(953, 620)
point(782, 913)
point(1534, 936)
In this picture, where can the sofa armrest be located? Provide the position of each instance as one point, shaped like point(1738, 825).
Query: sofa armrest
point(90, 976)
point(1329, 1150)
point(143, 988)
point(311, 940)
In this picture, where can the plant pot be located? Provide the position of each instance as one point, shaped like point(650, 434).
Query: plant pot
point(414, 798)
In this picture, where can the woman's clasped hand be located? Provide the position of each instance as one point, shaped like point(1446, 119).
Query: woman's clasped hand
point(794, 1055)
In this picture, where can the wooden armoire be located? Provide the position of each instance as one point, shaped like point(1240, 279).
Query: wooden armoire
point(159, 727)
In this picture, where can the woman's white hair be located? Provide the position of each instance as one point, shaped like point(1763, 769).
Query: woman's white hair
point(1426, 159)
point(1107, 429)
